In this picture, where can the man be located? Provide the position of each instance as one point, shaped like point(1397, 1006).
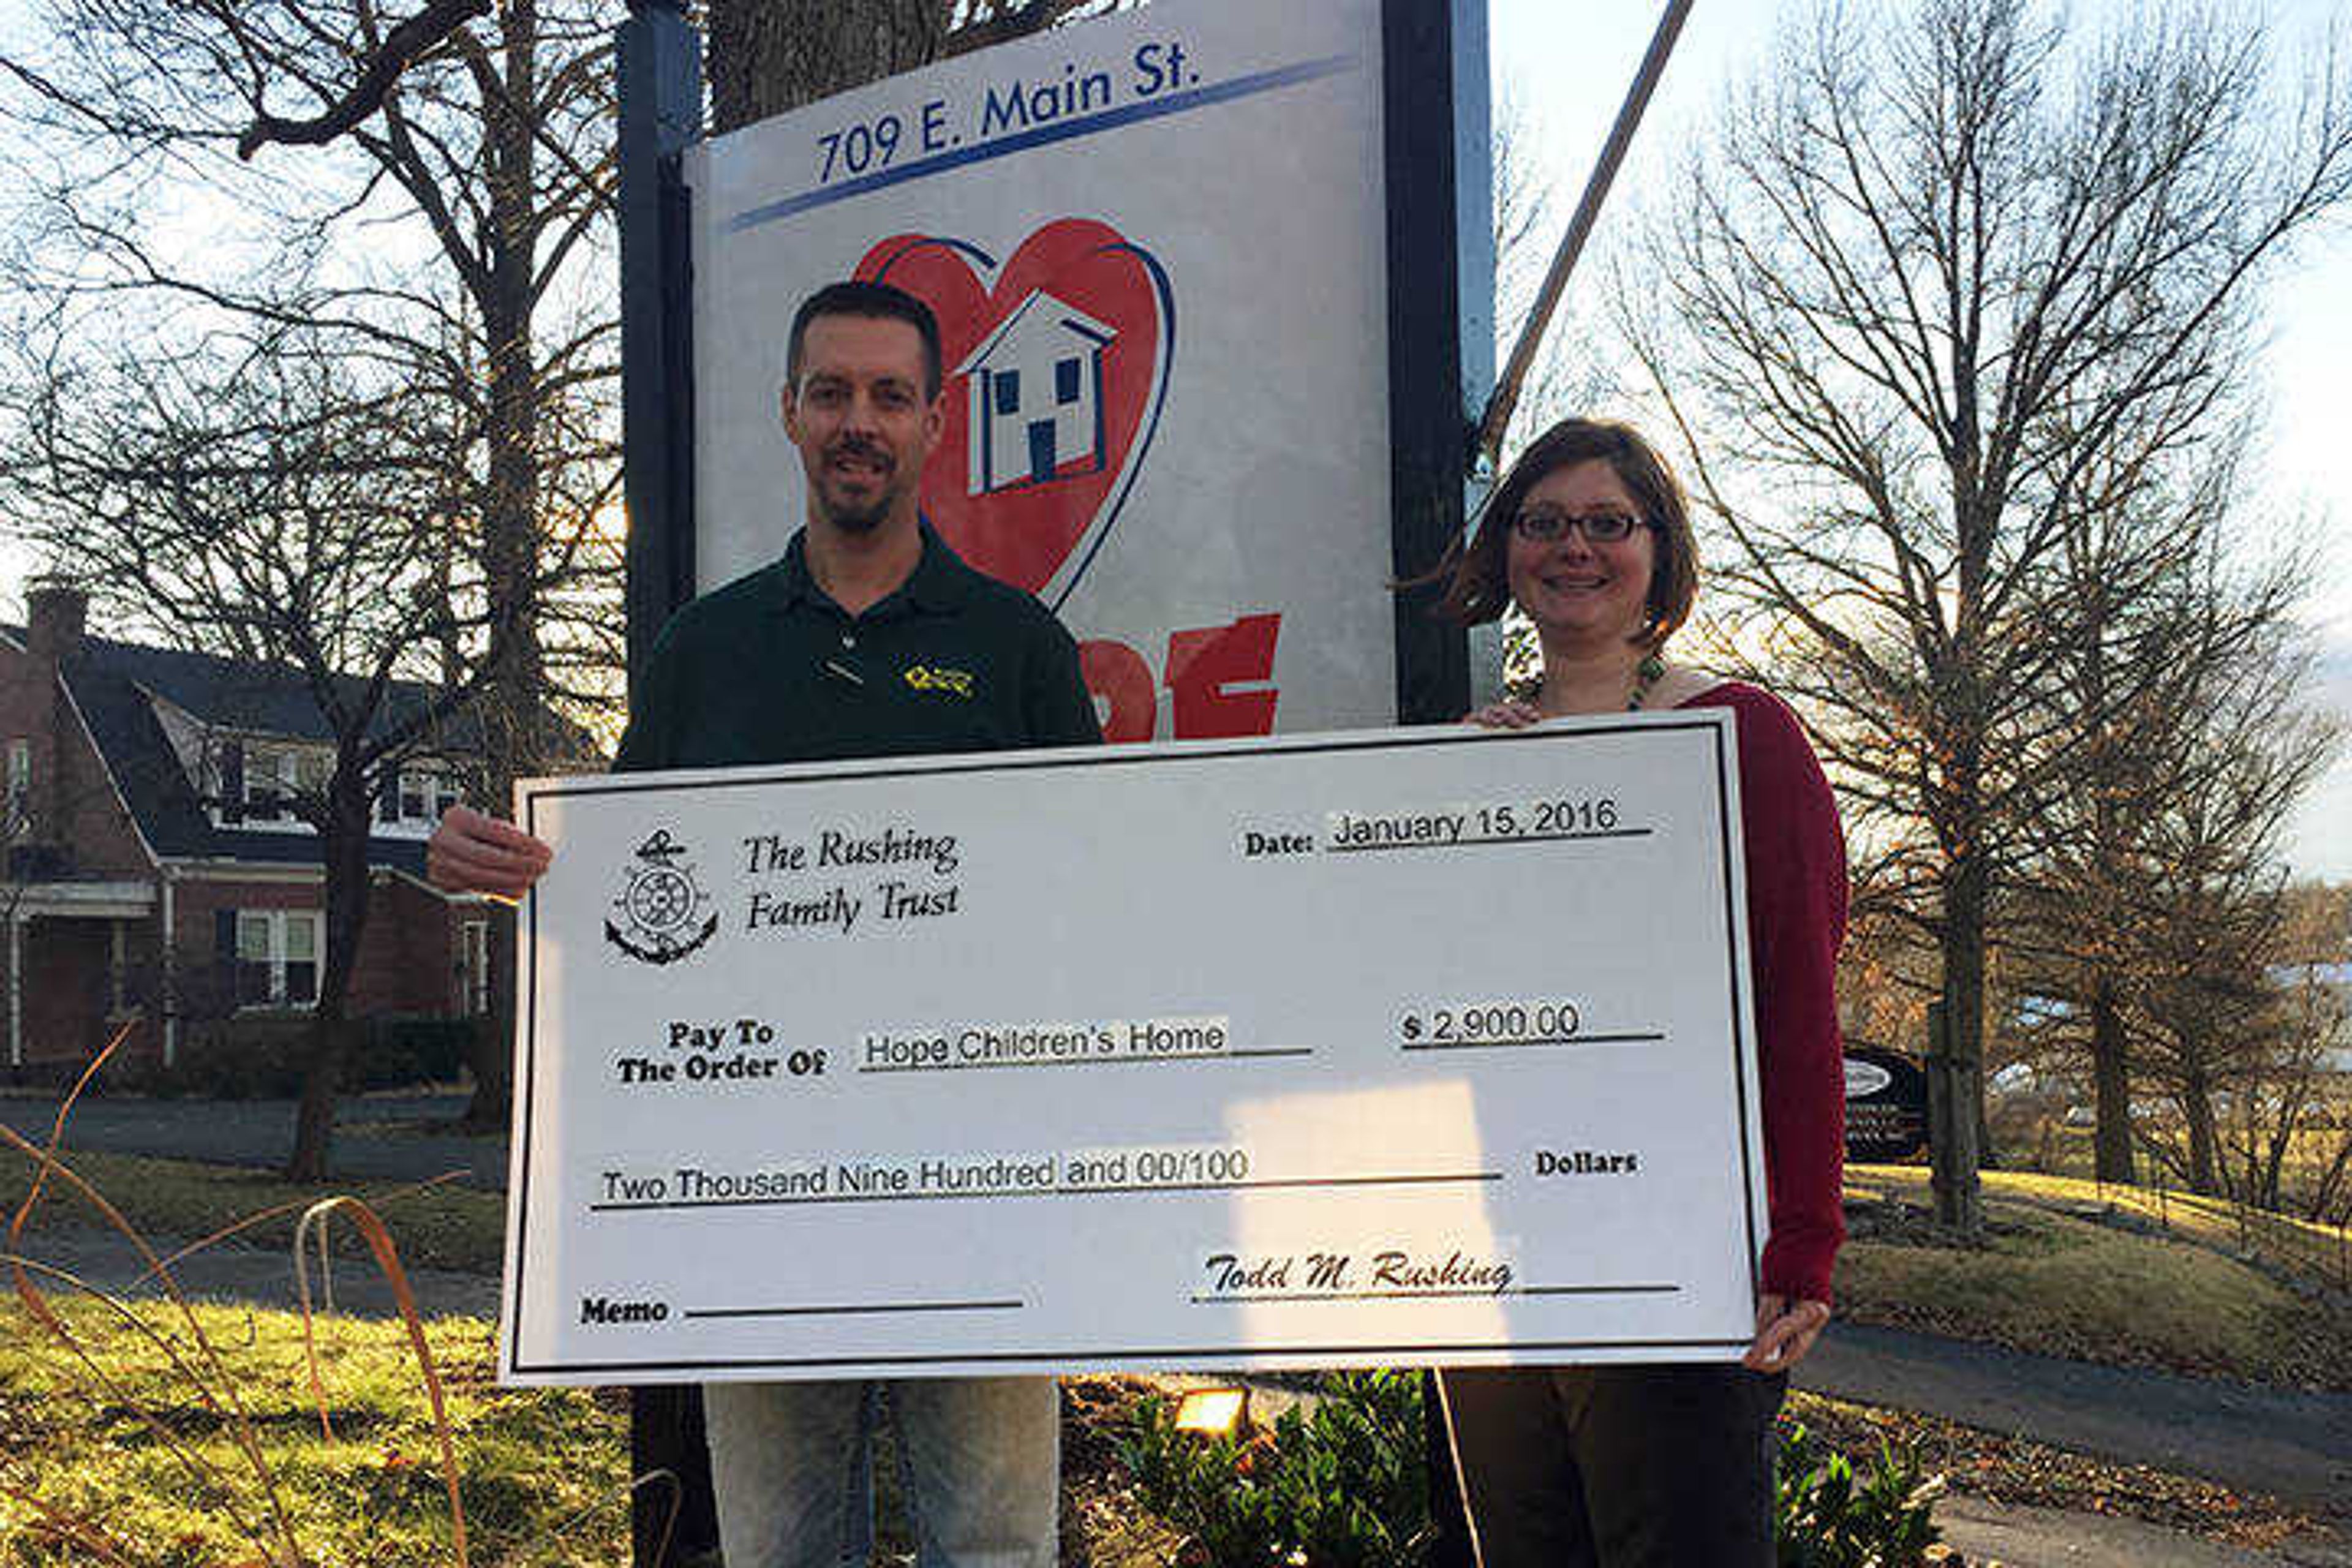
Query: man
point(867, 638)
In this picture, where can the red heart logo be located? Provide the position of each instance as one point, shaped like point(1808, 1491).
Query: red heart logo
point(1054, 378)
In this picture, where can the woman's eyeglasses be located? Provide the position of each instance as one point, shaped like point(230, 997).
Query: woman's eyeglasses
point(1543, 525)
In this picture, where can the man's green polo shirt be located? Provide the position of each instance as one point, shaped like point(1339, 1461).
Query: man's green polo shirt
point(769, 670)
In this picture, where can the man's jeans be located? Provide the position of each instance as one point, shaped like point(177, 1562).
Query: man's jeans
point(792, 1464)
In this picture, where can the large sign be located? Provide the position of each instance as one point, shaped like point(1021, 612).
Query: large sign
point(1362, 1048)
point(1155, 243)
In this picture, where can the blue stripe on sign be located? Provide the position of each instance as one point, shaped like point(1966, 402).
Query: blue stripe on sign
point(1043, 136)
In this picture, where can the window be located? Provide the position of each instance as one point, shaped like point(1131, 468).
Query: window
point(260, 785)
point(1066, 381)
point(424, 795)
point(1008, 391)
point(277, 957)
point(274, 775)
point(267, 783)
point(474, 968)
point(118, 973)
point(20, 776)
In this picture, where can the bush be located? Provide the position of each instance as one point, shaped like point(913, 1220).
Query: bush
point(405, 1050)
point(1347, 1487)
point(1827, 1515)
point(1342, 1484)
point(260, 1056)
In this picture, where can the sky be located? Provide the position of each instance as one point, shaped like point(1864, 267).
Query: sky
point(1567, 63)
point(1566, 68)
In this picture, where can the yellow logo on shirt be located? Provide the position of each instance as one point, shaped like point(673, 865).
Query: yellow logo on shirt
point(932, 678)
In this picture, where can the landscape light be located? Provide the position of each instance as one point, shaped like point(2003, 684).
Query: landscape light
point(1212, 1411)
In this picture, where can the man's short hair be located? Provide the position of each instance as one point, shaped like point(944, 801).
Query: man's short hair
point(874, 301)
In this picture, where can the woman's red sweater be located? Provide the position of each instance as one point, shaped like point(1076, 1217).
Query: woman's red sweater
point(1796, 922)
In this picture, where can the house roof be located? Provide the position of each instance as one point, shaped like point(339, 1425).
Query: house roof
point(259, 698)
point(112, 684)
point(1040, 315)
point(158, 793)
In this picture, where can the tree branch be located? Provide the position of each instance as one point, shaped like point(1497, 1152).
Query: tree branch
point(401, 46)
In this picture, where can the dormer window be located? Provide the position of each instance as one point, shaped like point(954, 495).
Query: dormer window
point(256, 784)
point(424, 793)
point(275, 775)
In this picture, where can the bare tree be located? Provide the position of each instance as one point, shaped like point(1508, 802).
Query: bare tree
point(262, 498)
point(1930, 281)
point(429, 191)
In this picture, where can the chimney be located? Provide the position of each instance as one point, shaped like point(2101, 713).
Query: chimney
point(55, 611)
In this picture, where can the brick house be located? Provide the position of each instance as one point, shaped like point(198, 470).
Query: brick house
point(154, 876)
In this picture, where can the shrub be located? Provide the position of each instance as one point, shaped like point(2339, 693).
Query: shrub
point(1828, 1515)
point(1346, 1486)
point(1340, 1484)
point(260, 1056)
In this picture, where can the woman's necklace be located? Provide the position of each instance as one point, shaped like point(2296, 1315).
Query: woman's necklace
point(1646, 676)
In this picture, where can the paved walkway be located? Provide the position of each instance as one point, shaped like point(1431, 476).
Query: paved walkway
point(228, 1271)
point(376, 1136)
point(2294, 1446)
point(1988, 1533)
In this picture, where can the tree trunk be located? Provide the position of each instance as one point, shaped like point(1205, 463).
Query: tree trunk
point(343, 850)
point(1957, 1203)
point(516, 714)
point(2197, 1109)
point(768, 55)
point(2110, 1086)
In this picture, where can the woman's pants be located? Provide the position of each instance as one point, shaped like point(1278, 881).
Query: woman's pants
point(1615, 1467)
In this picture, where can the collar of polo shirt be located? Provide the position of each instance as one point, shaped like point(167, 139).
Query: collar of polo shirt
point(941, 581)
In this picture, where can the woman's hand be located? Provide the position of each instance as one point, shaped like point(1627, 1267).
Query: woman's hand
point(1785, 1331)
point(472, 853)
point(1511, 713)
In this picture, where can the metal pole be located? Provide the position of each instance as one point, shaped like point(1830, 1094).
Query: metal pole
point(660, 103)
point(659, 92)
point(1440, 292)
point(1580, 228)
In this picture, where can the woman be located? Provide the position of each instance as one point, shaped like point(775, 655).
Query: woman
point(1590, 535)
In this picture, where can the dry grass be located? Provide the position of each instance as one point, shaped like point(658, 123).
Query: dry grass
point(2055, 1283)
point(447, 1225)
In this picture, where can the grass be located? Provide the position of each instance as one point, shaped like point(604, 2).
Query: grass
point(2322, 1251)
point(2050, 1282)
point(446, 1226)
point(151, 1456)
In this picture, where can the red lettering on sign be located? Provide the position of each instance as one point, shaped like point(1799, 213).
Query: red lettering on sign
point(1204, 666)
point(1117, 673)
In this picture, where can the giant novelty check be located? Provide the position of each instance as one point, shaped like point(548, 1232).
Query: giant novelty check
point(1384, 1048)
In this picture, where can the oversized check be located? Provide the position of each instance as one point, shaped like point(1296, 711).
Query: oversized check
point(1384, 1048)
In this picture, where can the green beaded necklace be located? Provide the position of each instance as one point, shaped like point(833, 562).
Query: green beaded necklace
point(1646, 676)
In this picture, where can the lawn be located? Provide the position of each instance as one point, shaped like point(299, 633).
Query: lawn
point(2050, 1280)
point(176, 1461)
point(449, 1225)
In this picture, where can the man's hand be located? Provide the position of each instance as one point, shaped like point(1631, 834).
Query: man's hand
point(471, 853)
point(1785, 1331)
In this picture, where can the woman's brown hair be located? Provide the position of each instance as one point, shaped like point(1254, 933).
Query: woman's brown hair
point(1476, 587)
